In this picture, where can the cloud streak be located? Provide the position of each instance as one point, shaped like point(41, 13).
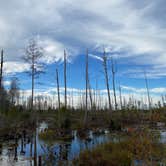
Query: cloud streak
point(127, 29)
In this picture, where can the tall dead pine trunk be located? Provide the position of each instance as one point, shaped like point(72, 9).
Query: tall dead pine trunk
point(113, 82)
point(57, 79)
point(90, 93)
point(120, 96)
point(1, 70)
point(72, 100)
point(86, 97)
point(65, 82)
point(33, 76)
point(147, 89)
point(106, 79)
point(1, 84)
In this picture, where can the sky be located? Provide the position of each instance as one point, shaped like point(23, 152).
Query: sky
point(132, 32)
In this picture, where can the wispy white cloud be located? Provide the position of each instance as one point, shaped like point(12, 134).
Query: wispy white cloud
point(96, 57)
point(154, 72)
point(6, 83)
point(11, 67)
point(157, 91)
point(54, 51)
point(135, 29)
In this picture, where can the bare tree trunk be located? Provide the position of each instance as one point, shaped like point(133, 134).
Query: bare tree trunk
point(124, 103)
point(65, 79)
point(96, 96)
point(99, 105)
point(90, 94)
point(33, 71)
point(147, 88)
point(106, 79)
point(86, 97)
point(79, 101)
point(57, 79)
point(113, 82)
point(72, 102)
point(94, 99)
point(1, 71)
point(163, 101)
point(2, 103)
point(120, 95)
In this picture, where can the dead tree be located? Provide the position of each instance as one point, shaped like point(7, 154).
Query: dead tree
point(86, 97)
point(65, 82)
point(113, 69)
point(96, 95)
point(1, 85)
point(39, 102)
point(4, 100)
point(147, 89)
point(90, 93)
point(120, 96)
point(32, 56)
point(72, 100)
point(163, 100)
point(1, 70)
point(57, 80)
point(124, 103)
point(106, 79)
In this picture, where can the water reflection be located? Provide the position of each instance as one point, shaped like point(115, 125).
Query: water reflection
point(27, 149)
point(163, 136)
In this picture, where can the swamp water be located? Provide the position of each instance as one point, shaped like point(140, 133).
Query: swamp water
point(52, 153)
point(21, 152)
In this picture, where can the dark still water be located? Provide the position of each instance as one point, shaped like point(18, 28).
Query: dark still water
point(20, 152)
point(52, 153)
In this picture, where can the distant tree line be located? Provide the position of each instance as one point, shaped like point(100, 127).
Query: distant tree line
point(11, 97)
point(90, 99)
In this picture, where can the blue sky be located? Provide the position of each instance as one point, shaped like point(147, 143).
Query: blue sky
point(132, 32)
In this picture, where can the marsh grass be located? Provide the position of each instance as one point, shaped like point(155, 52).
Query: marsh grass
point(139, 146)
